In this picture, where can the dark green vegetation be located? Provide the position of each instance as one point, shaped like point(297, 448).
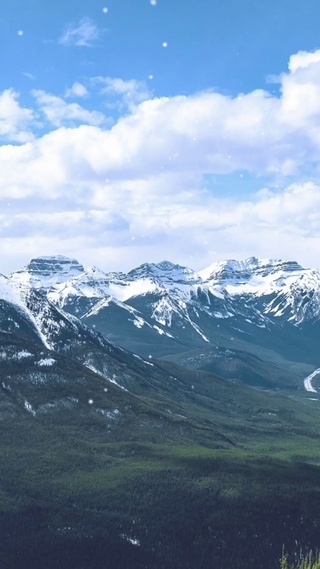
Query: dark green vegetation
point(185, 470)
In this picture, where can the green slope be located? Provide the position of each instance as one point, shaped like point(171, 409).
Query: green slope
point(186, 470)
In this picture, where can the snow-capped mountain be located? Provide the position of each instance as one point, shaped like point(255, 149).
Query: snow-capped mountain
point(165, 308)
point(285, 288)
point(231, 270)
point(46, 272)
point(30, 320)
point(165, 272)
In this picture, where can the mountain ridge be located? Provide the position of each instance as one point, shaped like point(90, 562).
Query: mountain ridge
point(259, 306)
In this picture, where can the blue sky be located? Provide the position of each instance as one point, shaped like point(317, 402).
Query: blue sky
point(231, 46)
point(135, 131)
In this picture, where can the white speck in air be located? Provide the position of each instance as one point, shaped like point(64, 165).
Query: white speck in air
point(150, 77)
point(3, 355)
point(105, 389)
point(153, 2)
point(20, 33)
point(164, 44)
point(105, 10)
point(90, 401)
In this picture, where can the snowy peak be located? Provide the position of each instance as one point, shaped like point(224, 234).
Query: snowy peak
point(46, 272)
point(166, 272)
point(232, 270)
point(48, 266)
point(94, 279)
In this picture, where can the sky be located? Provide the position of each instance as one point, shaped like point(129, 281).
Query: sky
point(135, 131)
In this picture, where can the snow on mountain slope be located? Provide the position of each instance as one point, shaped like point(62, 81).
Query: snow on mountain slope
point(298, 300)
point(104, 303)
point(92, 284)
point(286, 290)
point(15, 314)
point(27, 312)
point(96, 284)
point(8, 292)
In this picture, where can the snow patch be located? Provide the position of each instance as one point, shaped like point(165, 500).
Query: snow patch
point(29, 408)
point(46, 362)
point(114, 414)
point(22, 355)
point(111, 379)
point(138, 322)
point(162, 332)
point(132, 540)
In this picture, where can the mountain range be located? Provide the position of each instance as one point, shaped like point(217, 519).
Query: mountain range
point(233, 318)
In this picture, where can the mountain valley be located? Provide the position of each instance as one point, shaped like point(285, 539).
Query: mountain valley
point(158, 418)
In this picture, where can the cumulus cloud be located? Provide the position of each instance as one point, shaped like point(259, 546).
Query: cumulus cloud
point(81, 34)
point(303, 59)
point(58, 113)
point(129, 92)
point(136, 191)
point(15, 120)
point(300, 101)
point(76, 90)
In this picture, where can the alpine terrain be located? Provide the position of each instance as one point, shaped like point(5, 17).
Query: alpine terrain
point(232, 317)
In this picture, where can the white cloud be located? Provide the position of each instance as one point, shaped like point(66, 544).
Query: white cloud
point(120, 86)
point(81, 34)
point(303, 59)
point(76, 90)
point(136, 191)
point(300, 100)
point(123, 94)
point(58, 113)
point(15, 120)
point(28, 75)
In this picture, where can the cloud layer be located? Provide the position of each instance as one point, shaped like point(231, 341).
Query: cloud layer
point(134, 191)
